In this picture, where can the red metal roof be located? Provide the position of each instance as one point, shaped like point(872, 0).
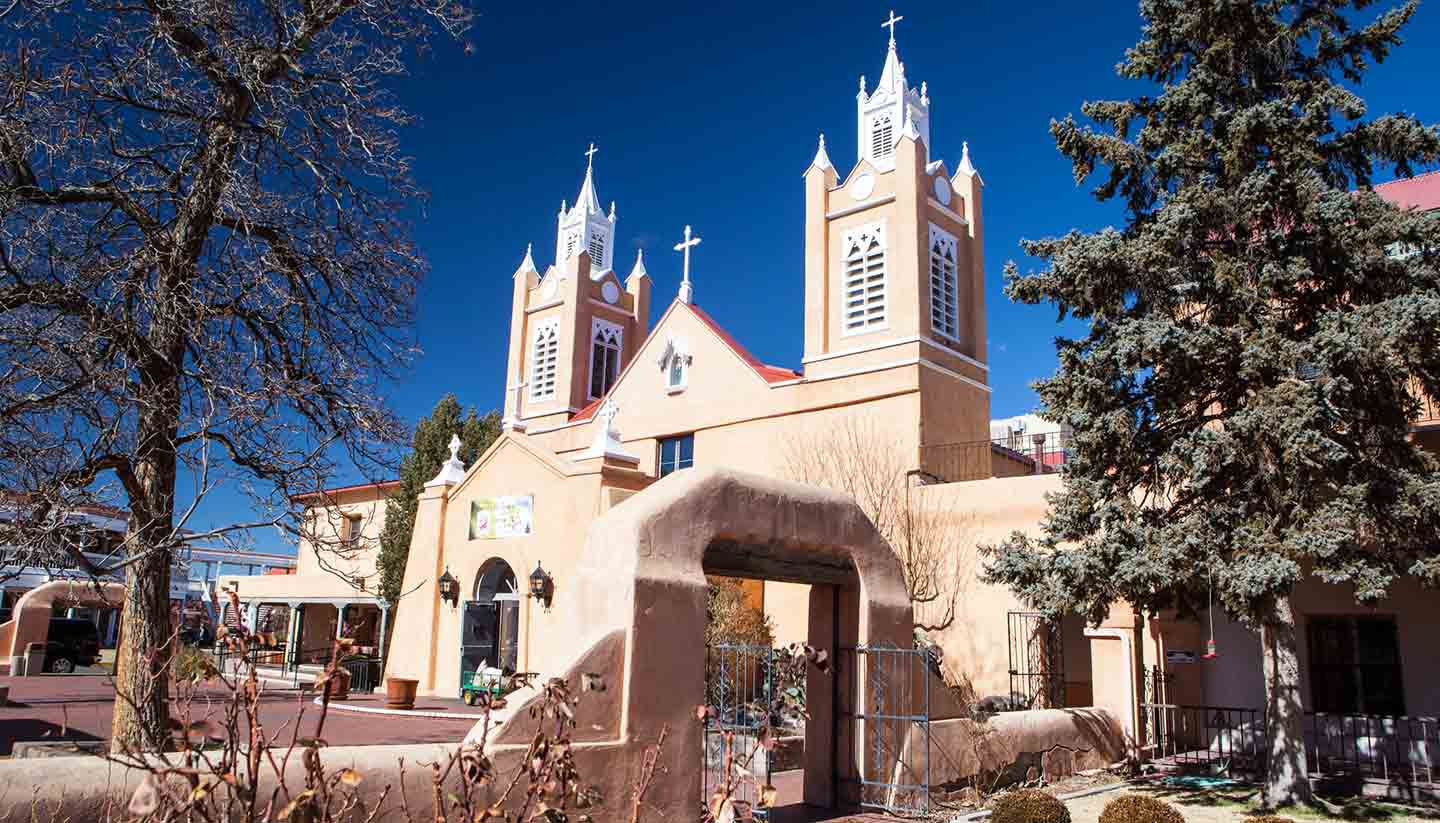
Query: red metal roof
point(1421, 191)
point(383, 485)
point(771, 374)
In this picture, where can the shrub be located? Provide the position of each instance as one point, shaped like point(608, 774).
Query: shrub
point(191, 665)
point(1140, 808)
point(1028, 806)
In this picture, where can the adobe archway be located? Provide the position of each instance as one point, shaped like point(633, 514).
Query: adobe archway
point(638, 613)
point(30, 621)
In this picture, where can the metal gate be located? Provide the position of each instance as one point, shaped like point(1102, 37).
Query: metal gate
point(1037, 662)
point(889, 690)
point(742, 710)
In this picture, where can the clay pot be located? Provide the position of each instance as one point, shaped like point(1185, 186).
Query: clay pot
point(400, 692)
point(340, 684)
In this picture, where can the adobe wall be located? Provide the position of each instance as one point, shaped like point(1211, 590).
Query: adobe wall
point(975, 645)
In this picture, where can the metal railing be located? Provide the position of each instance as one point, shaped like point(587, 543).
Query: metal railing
point(1234, 741)
point(1000, 457)
point(1393, 747)
point(1221, 739)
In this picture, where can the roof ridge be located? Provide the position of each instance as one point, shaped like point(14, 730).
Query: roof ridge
point(1422, 174)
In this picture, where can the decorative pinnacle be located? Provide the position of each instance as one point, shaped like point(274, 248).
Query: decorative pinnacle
point(966, 166)
point(822, 159)
point(862, 84)
point(528, 264)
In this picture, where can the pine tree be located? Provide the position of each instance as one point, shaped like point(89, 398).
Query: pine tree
point(1241, 401)
point(431, 448)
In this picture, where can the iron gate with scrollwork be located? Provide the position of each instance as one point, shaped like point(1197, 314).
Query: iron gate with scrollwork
point(889, 705)
point(1037, 662)
point(741, 684)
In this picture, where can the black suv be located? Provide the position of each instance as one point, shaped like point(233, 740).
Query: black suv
point(72, 643)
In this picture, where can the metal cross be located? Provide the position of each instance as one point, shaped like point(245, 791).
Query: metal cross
point(891, 25)
point(590, 155)
point(690, 242)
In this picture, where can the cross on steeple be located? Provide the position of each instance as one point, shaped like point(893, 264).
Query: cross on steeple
point(686, 290)
point(890, 24)
point(590, 155)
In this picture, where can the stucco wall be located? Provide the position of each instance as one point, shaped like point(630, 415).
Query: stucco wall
point(327, 528)
point(1234, 678)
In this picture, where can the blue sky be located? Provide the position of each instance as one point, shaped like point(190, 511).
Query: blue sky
point(707, 114)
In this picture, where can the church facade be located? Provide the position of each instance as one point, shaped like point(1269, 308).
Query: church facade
point(599, 403)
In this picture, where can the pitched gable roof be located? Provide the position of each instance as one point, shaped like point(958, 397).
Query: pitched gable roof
point(770, 374)
point(1421, 191)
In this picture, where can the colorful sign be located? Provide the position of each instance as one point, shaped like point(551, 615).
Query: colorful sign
point(497, 517)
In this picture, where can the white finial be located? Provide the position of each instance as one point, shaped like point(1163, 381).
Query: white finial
point(822, 159)
point(966, 167)
point(891, 25)
point(862, 84)
point(639, 270)
point(563, 205)
point(590, 156)
point(612, 211)
point(924, 92)
point(528, 264)
point(687, 292)
point(452, 471)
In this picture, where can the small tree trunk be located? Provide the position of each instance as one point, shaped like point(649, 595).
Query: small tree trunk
point(1286, 781)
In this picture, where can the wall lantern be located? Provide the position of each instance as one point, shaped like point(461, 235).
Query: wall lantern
point(541, 586)
point(449, 588)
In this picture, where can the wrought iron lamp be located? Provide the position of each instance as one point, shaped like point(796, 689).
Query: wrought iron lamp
point(449, 588)
point(542, 587)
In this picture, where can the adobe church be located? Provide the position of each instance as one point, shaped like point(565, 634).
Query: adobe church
point(600, 404)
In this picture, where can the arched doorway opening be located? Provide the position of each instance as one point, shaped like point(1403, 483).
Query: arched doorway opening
point(490, 625)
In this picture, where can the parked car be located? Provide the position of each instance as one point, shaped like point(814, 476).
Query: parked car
point(72, 643)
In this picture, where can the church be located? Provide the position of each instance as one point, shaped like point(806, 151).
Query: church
point(600, 403)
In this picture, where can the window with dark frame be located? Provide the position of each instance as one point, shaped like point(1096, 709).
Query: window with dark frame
point(676, 453)
point(1355, 665)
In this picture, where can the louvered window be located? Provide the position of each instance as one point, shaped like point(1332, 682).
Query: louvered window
point(605, 340)
point(882, 138)
point(863, 308)
point(544, 357)
point(944, 286)
point(597, 250)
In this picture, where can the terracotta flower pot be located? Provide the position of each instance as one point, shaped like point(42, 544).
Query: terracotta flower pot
point(340, 685)
point(400, 692)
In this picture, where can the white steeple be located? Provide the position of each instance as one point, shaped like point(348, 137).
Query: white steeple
point(892, 110)
point(528, 264)
point(585, 228)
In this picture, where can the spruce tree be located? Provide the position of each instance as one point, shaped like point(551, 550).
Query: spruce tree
point(1242, 399)
point(431, 448)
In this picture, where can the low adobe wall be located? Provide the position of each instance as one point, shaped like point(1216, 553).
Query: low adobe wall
point(1003, 749)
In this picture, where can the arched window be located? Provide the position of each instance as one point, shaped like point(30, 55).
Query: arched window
point(605, 341)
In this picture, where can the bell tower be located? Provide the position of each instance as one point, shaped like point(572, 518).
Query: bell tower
point(894, 258)
point(574, 328)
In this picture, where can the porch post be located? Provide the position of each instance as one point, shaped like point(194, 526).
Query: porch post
point(340, 620)
point(384, 626)
point(293, 634)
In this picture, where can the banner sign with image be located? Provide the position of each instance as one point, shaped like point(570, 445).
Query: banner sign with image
point(497, 517)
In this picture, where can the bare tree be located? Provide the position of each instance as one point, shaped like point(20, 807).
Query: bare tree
point(206, 273)
point(934, 542)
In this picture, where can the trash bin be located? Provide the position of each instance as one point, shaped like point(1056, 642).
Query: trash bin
point(34, 659)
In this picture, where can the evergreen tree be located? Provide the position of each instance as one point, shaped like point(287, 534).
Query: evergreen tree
point(1241, 402)
point(431, 449)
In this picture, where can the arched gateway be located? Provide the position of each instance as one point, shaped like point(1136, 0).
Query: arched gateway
point(639, 617)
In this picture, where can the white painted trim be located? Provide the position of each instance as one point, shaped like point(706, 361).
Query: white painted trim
point(947, 211)
point(849, 210)
point(955, 374)
point(899, 342)
point(870, 329)
point(1128, 649)
point(543, 306)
